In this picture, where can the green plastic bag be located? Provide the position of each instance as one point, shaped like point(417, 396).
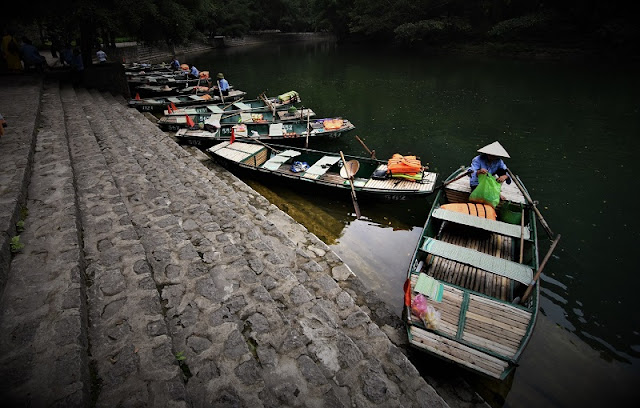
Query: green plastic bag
point(487, 192)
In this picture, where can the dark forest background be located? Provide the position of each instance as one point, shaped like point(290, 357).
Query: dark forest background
point(578, 24)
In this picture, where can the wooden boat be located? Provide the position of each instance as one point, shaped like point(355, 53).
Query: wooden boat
point(262, 104)
point(178, 87)
point(136, 67)
point(213, 117)
point(169, 79)
point(287, 130)
point(322, 169)
point(158, 104)
point(148, 90)
point(482, 267)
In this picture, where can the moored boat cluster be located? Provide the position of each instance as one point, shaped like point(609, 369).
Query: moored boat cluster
point(472, 287)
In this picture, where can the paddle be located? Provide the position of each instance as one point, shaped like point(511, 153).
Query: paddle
point(306, 142)
point(521, 234)
point(353, 190)
point(544, 262)
point(372, 153)
point(264, 98)
point(220, 91)
point(526, 195)
point(231, 104)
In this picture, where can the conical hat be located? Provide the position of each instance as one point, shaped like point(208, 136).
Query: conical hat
point(494, 149)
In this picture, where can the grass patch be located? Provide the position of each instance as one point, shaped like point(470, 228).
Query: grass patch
point(16, 245)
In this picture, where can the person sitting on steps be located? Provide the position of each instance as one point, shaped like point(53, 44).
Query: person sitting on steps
point(31, 56)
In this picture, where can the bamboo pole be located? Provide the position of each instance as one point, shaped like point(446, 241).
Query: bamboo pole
point(372, 153)
point(220, 91)
point(353, 190)
point(542, 265)
point(306, 142)
point(521, 234)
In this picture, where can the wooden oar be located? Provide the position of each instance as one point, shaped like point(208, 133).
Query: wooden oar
point(220, 91)
point(372, 153)
point(268, 103)
point(306, 142)
point(544, 262)
point(528, 197)
point(231, 104)
point(353, 190)
point(521, 234)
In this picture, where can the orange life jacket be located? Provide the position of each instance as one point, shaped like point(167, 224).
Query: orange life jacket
point(332, 124)
point(404, 164)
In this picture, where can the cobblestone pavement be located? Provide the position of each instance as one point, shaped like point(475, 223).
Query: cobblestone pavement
point(148, 279)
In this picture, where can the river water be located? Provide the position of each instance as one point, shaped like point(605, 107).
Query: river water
point(572, 130)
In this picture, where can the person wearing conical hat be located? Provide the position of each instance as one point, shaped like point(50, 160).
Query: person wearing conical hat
point(489, 161)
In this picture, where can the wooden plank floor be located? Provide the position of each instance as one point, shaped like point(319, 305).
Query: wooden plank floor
point(496, 326)
point(470, 277)
point(458, 191)
point(491, 325)
point(457, 352)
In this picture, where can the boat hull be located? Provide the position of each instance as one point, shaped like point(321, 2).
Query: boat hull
point(482, 326)
point(322, 173)
point(160, 104)
point(291, 132)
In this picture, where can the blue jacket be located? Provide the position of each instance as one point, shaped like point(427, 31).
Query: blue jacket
point(481, 162)
point(224, 85)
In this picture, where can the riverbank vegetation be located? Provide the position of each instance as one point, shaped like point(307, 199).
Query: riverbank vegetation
point(576, 24)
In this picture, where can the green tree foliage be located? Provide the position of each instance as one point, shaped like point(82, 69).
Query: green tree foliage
point(433, 31)
point(404, 21)
point(333, 16)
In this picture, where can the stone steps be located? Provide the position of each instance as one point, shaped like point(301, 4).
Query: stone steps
point(285, 290)
point(43, 316)
point(131, 350)
point(21, 96)
point(198, 291)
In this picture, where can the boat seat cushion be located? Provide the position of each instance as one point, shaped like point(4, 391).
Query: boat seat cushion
point(503, 267)
point(214, 109)
point(276, 129)
point(321, 166)
point(276, 161)
point(486, 224)
point(241, 106)
point(245, 117)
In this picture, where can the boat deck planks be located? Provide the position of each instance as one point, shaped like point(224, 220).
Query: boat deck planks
point(490, 324)
point(427, 183)
point(237, 152)
point(457, 352)
point(458, 191)
point(468, 276)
